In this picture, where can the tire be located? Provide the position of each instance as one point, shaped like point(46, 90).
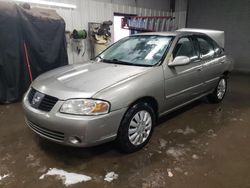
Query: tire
point(129, 142)
point(220, 91)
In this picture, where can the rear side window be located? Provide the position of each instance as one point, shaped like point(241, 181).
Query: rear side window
point(206, 47)
point(217, 49)
point(185, 47)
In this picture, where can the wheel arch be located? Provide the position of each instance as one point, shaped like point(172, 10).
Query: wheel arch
point(226, 73)
point(150, 100)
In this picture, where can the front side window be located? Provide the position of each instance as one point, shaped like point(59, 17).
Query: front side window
point(206, 48)
point(137, 50)
point(185, 47)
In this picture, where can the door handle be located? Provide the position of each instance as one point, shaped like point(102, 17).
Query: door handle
point(222, 62)
point(199, 69)
point(197, 61)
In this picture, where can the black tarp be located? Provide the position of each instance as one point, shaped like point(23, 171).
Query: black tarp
point(43, 33)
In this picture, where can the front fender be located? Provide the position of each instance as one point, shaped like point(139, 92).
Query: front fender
point(124, 93)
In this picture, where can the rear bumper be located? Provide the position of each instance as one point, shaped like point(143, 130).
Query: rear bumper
point(61, 128)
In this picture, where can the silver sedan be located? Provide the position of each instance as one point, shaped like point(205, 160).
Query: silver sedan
point(120, 94)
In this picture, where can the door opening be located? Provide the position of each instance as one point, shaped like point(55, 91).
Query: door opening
point(119, 32)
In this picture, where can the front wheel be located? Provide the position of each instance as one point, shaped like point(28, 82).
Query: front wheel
point(219, 92)
point(136, 127)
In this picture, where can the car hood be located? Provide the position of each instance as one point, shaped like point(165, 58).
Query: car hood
point(84, 80)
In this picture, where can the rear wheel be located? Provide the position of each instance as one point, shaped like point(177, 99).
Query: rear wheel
point(219, 92)
point(136, 127)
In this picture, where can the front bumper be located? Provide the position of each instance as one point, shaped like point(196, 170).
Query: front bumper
point(61, 128)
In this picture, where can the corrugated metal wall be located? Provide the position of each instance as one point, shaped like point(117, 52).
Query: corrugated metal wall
point(180, 13)
point(157, 4)
point(102, 10)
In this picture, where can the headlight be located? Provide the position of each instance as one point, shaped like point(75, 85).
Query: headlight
point(85, 107)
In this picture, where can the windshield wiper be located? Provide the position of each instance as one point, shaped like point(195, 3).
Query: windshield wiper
point(116, 61)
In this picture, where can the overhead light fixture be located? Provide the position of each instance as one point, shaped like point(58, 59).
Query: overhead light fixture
point(48, 3)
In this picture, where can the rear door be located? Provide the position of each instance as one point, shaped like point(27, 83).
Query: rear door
point(211, 56)
point(182, 83)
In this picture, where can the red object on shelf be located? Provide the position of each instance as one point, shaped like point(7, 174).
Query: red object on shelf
point(146, 23)
point(152, 17)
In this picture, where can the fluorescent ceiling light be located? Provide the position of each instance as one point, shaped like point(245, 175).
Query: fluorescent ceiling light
point(48, 3)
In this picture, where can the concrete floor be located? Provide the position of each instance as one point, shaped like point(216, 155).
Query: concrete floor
point(203, 145)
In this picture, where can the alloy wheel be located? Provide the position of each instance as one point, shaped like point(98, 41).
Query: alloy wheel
point(140, 127)
point(221, 89)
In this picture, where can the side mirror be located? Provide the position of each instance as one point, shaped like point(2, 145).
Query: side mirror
point(180, 60)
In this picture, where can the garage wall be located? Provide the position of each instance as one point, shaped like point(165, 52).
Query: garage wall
point(102, 10)
point(231, 16)
point(181, 13)
point(158, 4)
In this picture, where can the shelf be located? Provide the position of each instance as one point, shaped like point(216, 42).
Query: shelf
point(147, 23)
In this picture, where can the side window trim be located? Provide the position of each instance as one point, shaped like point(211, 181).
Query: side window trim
point(197, 48)
point(216, 46)
point(209, 41)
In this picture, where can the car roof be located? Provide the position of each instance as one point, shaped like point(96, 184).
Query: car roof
point(159, 33)
point(173, 33)
point(215, 35)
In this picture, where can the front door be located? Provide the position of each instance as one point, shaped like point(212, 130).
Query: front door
point(183, 83)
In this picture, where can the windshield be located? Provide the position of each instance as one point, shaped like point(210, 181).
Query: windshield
point(141, 50)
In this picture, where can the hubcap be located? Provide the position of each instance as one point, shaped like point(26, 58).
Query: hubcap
point(221, 89)
point(140, 127)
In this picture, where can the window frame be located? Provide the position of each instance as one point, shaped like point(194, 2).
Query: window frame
point(196, 50)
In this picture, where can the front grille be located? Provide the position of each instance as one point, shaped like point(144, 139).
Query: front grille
point(31, 95)
point(46, 103)
point(54, 135)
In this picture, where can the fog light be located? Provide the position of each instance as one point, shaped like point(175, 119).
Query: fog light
point(74, 140)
